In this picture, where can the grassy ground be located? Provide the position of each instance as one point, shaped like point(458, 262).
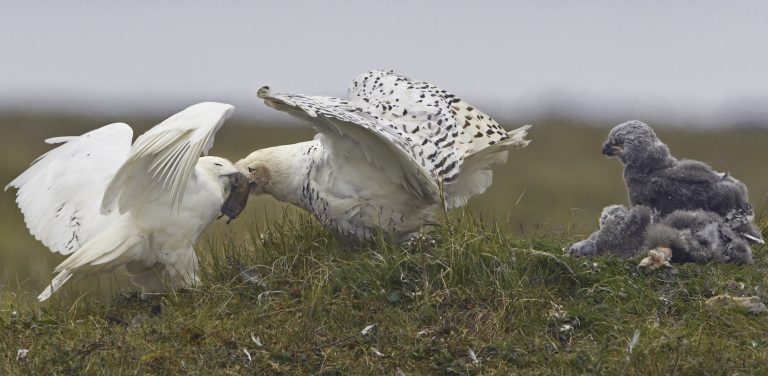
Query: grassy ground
point(477, 300)
point(561, 179)
point(495, 295)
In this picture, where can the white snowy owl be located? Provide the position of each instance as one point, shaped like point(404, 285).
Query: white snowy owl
point(384, 159)
point(109, 204)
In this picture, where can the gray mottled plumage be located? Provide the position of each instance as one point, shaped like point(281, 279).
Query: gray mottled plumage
point(584, 248)
point(698, 236)
point(656, 179)
point(621, 233)
point(692, 236)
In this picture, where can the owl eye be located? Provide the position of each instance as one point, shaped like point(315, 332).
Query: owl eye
point(250, 169)
point(219, 164)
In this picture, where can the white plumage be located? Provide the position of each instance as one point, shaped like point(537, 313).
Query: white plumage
point(109, 204)
point(383, 159)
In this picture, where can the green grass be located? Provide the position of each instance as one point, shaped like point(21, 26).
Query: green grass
point(499, 286)
point(561, 179)
point(517, 302)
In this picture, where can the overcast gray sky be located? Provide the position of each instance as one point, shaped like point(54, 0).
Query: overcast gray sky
point(684, 59)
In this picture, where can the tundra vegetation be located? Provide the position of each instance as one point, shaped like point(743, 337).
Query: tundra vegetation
point(488, 290)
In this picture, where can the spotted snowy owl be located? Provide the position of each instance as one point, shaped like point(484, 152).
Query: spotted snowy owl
point(384, 159)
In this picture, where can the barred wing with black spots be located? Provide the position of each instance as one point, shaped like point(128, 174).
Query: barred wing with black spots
point(427, 112)
point(450, 137)
point(420, 122)
point(348, 134)
point(387, 156)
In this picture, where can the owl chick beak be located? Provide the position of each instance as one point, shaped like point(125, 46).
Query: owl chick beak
point(612, 150)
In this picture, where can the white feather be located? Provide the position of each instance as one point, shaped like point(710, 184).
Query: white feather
point(754, 239)
point(384, 156)
point(57, 194)
point(476, 175)
point(166, 195)
point(348, 135)
point(163, 158)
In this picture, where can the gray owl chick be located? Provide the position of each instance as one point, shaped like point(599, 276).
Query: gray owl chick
point(622, 233)
point(656, 179)
point(698, 236)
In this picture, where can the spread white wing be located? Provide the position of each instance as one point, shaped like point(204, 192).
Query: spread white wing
point(58, 194)
point(163, 159)
point(437, 122)
point(456, 141)
point(414, 132)
point(348, 134)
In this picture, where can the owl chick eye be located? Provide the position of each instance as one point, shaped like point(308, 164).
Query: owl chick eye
point(219, 164)
point(250, 169)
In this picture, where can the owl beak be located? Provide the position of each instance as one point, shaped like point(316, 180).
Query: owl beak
point(612, 150)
